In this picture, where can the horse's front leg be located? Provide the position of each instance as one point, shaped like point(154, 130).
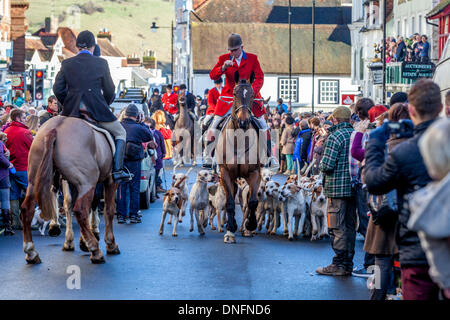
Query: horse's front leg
point(253, 181)
point(230, 207)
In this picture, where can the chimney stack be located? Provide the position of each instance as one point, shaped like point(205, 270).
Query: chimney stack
point(47, 24)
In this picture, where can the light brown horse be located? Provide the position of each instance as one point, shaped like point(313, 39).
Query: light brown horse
point(183, 135)
point(234, 162)
point(70, 149)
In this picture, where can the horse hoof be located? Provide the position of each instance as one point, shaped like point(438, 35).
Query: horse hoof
point(54, 231)
point(285, 233)
point(83, 246)
point(169, 222)
point(273, 233)
point(174, 235)
point(97, 235)
point(229, 240)
point(191, 229)
point(113, 251)
point(99, 260)
point(68, 247)
point(247, 233)
point(160, 232)
point(290, 238)
point(213, 228)
point(35, 260)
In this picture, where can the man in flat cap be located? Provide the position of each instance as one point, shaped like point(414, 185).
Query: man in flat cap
point(338, 189)
point(85, 89)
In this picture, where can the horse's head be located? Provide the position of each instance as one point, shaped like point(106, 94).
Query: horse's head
point(243, 100)
point(182, 98)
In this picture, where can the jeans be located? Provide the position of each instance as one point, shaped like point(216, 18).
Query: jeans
point(341, 222)
point(362, 209)
point(158, 181)
point(386, 281)
point(19, 183)
point(289, 162)
point(128, 198)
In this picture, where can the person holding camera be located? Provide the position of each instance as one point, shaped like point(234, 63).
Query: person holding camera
point(137, 133)
point(404, 171)
point(380, 236)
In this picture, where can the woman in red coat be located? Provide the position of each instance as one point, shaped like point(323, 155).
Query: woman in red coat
point(228, 64)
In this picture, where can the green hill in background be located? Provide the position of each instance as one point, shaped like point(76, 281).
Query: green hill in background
point(129, 21)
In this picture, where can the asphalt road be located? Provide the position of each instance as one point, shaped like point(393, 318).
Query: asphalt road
point(189, 266)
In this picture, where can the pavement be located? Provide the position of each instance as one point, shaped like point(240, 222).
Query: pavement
point(189, 266)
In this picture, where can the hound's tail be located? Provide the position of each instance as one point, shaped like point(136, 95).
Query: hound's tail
point(44, 179)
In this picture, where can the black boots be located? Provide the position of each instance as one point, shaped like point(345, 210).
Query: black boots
point(118, 174)
point(7, 220)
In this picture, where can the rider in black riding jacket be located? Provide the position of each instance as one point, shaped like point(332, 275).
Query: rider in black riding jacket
point(85, 89)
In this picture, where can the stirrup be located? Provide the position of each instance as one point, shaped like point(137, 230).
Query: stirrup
point(123, 176)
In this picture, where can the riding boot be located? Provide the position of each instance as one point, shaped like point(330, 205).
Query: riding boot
point(118, 174)
point(208, 159)
point(7, 219)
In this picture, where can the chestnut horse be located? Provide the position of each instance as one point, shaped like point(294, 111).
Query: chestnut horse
point(244, 162)
point(70, 149)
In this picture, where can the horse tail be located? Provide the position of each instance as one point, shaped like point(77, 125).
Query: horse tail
point(44, 179)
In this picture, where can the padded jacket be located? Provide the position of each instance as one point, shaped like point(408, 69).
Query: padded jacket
point(405, 171)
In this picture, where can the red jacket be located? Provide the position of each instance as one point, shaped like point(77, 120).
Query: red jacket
point(19, 144)
point(170, 102)
point(249, 63)
point(213, 97)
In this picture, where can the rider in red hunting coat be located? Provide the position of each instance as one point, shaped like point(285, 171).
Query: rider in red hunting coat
point(228, 64)
point(170, 100)
point(213, 96)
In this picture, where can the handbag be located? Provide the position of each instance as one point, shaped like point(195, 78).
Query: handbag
point(384, 208)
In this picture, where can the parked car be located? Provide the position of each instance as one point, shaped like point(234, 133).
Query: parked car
point(148, 177)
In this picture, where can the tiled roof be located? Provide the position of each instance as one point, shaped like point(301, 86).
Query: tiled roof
point(45, 55)
point(236, 11)
point(270, 43)
point(69, 38)
point(35, 44)
point(108, 49)
point(439, 8)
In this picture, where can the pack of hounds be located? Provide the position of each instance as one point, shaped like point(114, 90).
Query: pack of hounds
point(299, 203)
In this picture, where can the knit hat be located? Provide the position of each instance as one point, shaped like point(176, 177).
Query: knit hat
point(376, 111)
point(398, 97)
point(132, 111)
point(341, 113)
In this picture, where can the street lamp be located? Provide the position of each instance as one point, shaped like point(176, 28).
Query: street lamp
point(154, 28)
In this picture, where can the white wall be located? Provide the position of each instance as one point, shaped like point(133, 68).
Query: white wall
point(118, 72)
point(270, 88)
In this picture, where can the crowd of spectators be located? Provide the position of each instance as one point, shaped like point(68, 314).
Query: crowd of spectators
point(394, 185)
point(413, 49)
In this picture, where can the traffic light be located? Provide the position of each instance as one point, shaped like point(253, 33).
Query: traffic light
point(38, 81)
point(176, 89)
